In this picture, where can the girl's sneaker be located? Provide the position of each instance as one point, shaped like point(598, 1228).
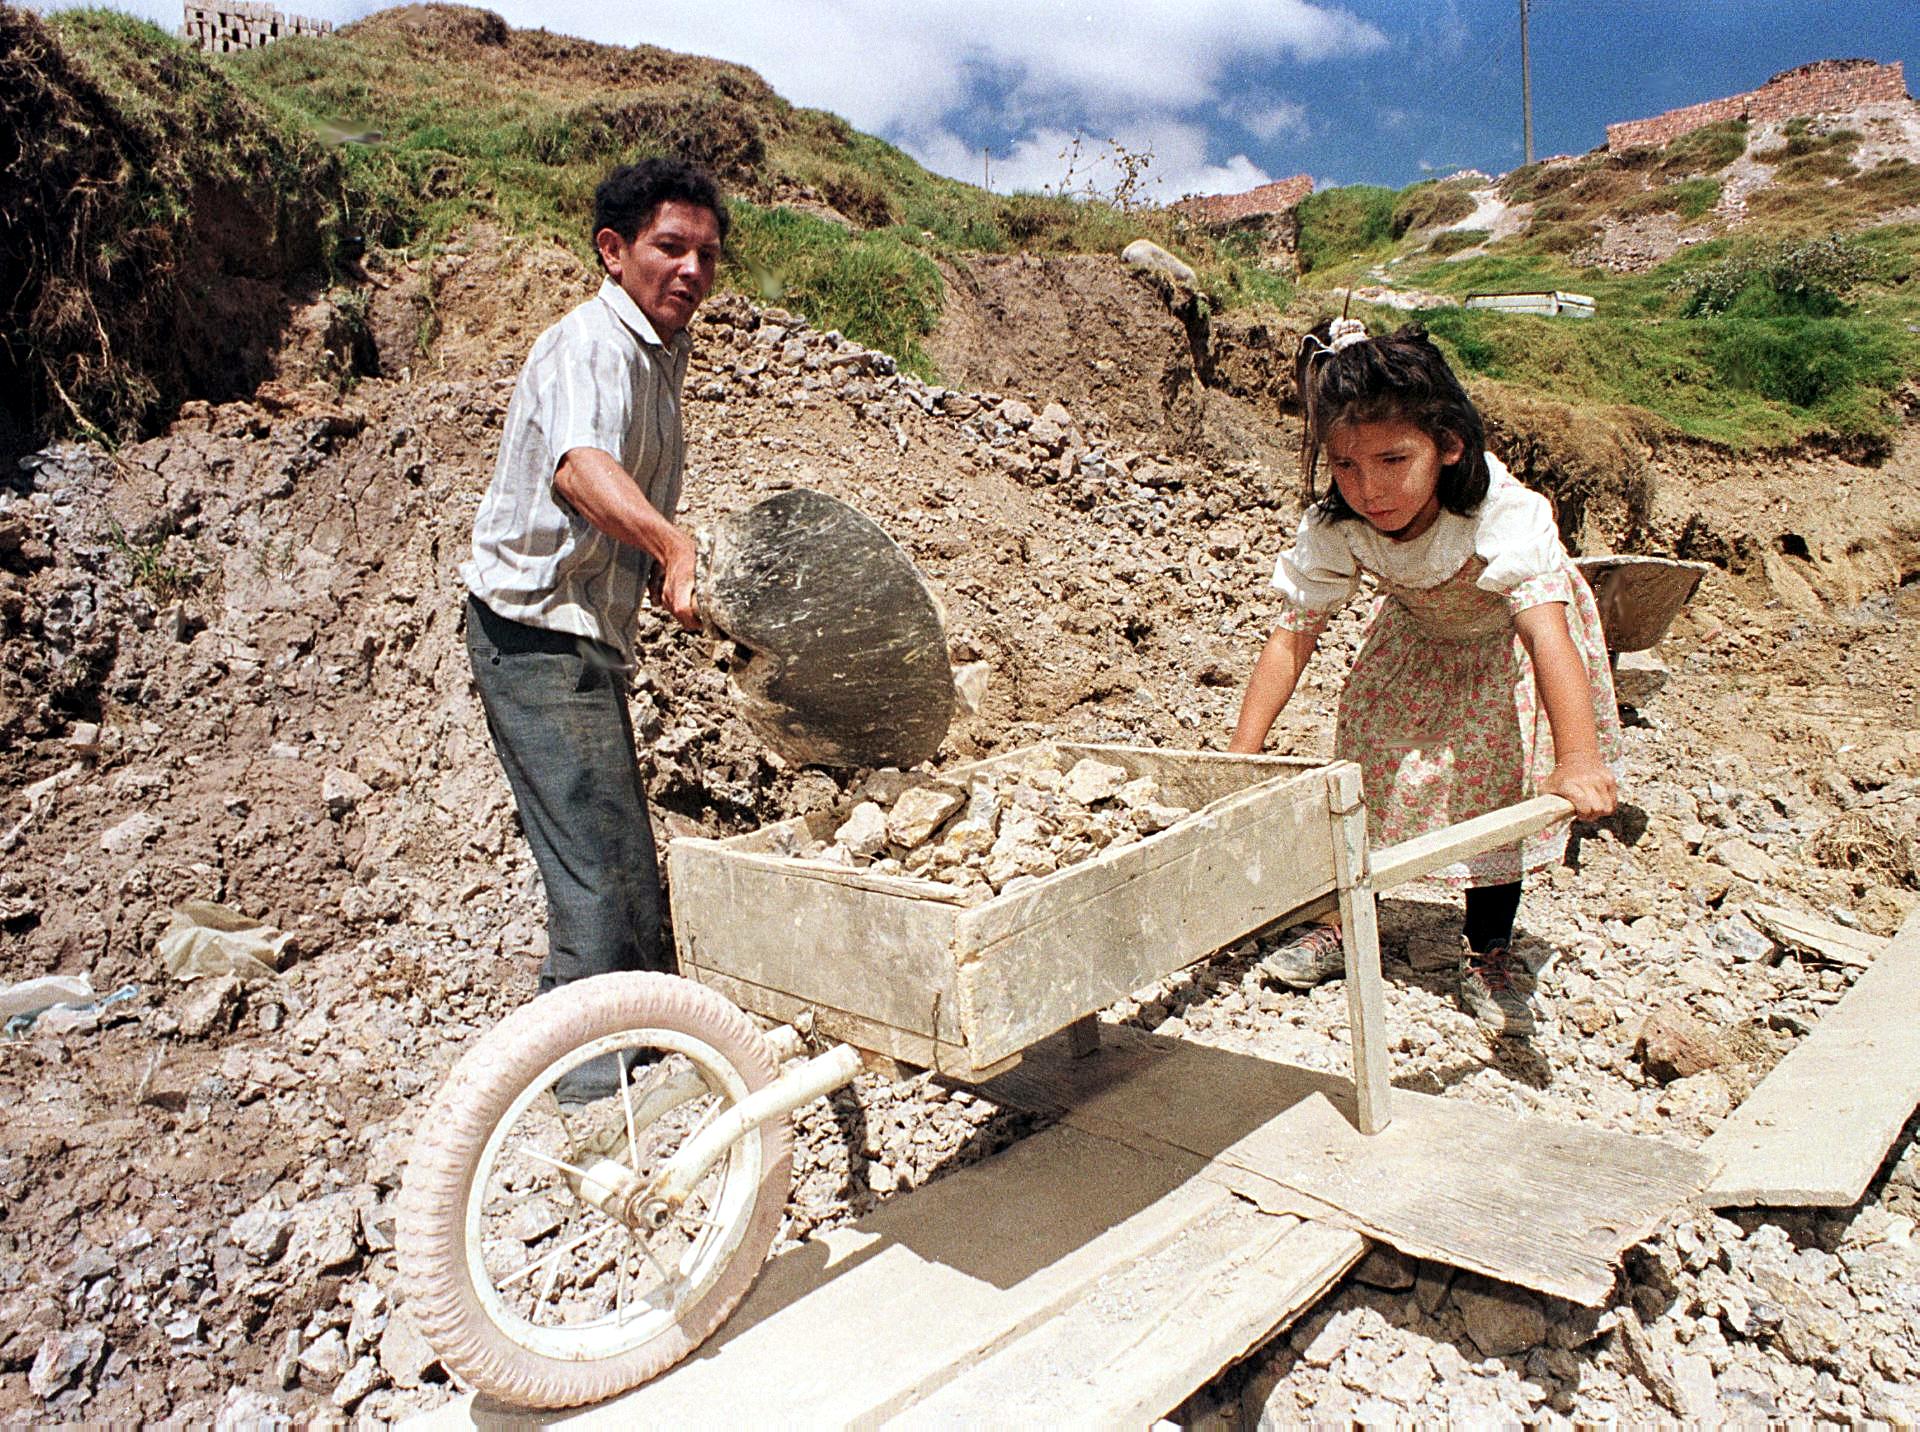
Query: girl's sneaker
point(1496, 989)
point(1310, 955)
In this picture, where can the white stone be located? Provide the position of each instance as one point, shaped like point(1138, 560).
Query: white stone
point(130, 834)
point(865, 831)
point(970, 686)
point(1146, 254)
point(920, 812)
point(341, 791)
point(1091, 781)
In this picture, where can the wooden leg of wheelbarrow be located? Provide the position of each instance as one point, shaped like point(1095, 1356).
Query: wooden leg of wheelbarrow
point(1360, 934)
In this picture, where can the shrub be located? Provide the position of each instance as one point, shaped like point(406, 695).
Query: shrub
point(1814, 277)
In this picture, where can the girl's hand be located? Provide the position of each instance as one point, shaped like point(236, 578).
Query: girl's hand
point(1586, 782)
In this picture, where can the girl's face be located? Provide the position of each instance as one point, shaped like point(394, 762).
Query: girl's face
point(1388, 471)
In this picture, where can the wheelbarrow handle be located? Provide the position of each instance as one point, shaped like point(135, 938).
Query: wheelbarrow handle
point(1424, 854)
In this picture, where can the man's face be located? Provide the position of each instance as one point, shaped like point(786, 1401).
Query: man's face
point(667, 269)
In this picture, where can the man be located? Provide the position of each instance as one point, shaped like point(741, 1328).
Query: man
point(575, 530)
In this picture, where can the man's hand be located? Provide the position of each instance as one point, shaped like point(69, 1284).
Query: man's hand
point(672, 582)
point(1586, 782)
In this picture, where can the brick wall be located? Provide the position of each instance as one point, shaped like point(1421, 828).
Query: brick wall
point(1823, 87)
point(1278, 197)
point(243, 25)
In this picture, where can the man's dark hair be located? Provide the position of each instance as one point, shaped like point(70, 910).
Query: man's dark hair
point(1402, 377)
point(629, 196)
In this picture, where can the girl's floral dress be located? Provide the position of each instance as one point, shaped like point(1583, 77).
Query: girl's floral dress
point(1440, 711)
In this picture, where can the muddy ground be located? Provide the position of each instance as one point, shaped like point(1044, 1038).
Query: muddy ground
point(230, 671)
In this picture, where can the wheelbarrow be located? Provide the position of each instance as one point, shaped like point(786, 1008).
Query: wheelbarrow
point(556, 1254)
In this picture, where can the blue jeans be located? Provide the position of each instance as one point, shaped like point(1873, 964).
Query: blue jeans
point(557, 709)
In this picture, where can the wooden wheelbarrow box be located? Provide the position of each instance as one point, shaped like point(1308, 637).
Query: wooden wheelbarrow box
point(906, 968)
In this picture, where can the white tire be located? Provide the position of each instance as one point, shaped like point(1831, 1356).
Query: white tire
point(536, 1295)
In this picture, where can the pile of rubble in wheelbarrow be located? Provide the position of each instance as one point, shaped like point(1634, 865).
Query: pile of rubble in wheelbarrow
point(1003, 828)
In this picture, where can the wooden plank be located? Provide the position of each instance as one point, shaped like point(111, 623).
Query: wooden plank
point(1149, 1333)
point(883, 956)
point(1818, 1127)
point(1360, 939)
point(863, 1322)
point(1525, 1200)
point(1424, 854)
point(1814, 936)
point(1077, 941)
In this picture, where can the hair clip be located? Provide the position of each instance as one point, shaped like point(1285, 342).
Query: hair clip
point(1344, 333)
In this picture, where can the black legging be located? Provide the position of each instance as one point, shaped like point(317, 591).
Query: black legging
point(1490, 912)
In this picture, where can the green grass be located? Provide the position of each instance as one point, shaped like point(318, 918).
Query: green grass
point(1340, 225)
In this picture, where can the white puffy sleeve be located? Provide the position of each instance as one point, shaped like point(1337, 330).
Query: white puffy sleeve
point(1316, 577)
point(1516, 537)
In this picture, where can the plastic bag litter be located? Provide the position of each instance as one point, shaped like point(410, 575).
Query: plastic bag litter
point(209, 939)
point(68, 1016)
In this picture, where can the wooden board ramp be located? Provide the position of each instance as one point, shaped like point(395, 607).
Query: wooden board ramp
point(1817, 1128)
point(1129, 1278)
point(1547, 1205)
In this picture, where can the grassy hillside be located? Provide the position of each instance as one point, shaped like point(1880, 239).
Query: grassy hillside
point(153, 176)
point(1798, 324)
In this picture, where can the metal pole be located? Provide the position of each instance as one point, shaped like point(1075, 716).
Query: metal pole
point(1526, 85)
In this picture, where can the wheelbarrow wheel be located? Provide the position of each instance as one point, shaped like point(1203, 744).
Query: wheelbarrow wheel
point(534, 1280)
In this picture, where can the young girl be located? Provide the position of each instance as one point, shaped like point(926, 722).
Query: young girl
point(1483, 679)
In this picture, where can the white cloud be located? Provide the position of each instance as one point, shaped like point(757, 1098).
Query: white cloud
point(898, 66)
point(919, 73)
point(1287, 119)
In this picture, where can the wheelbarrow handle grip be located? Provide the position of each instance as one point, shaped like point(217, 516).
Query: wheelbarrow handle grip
point(1424, 854)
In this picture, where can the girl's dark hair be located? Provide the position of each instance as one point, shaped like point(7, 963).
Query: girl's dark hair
point(1398, 377)
point(629, 196)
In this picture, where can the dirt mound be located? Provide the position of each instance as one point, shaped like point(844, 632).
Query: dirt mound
point(150, 245)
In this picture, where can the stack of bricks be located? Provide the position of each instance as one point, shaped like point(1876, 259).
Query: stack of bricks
point(1823, 87)
point(242, 25)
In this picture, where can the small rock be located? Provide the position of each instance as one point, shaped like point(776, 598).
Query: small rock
point(405, 1355)
point(1386, 1267)
point(327, 1231)
point(1500, 1320)
point(210, 1007)
point(1326, 1342)
point(136, 831)
point(341, 791)
point(921, 811)
point(262, 1233)
point(970, 686)
point(865, 831)
point(1747, 861)
point(361, 1379)
point(63, 1356)
point(1091, 781)
point(1638, 677)
point(326, 1359)
point(1675, 1045)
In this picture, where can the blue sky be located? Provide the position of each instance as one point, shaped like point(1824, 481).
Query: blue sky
point(1231, 93)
